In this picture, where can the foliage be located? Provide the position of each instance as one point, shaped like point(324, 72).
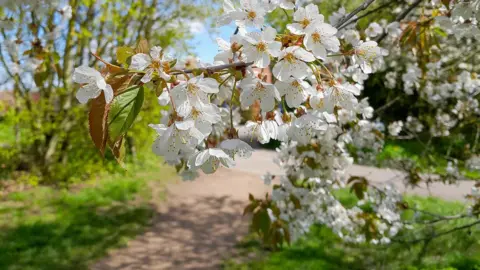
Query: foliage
point(409, 150)
point(322, 249)
point(48, 228)
point(39, 50)
point(311, 101)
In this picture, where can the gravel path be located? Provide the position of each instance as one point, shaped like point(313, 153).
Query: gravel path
point(198, 226)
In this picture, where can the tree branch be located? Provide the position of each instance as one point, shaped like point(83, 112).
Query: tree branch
point(387, 4)
point(353, 13)
point(434, 235)
point(400, 17)
point(215, 68)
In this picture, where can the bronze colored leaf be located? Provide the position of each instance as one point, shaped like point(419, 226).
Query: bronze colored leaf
point(111, 68)
point(97, 122)
point(119, 83)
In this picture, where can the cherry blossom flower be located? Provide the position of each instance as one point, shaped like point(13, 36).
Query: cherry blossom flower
point(236, 147)
point(155, 62)
point(175, 139)
point(255, 89)
point(258, 47)
point(321, 39)
point(193, 94)
point(303, 129)
point(250, 14)
point(92, 83)
point(306, 18)
point(209, 160)
point(365, 54)
point(226, 55)
point(395, 128)
point(291, 63)
point(373, 30)
point(263, 131)
point(295, 91)
point(287, 4)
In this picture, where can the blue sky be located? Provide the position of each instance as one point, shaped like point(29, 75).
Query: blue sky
point(205, 45)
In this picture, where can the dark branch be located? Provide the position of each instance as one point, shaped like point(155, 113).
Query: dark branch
point(400, 17)
point(435, 235)
point(385, 5)
point(215, 68)
point(353, 13)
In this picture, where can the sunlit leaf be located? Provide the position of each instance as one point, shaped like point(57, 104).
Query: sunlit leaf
point(123, 112)
point(123, 53)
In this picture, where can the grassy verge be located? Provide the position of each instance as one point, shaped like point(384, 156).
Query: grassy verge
point(48, 228)
point(410, 150)
point(321, 249)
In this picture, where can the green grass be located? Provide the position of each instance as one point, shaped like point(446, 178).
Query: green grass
point(321, 249)
point(429, 163)
point(48, 228)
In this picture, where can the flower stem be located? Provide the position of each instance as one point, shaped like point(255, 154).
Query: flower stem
point(231, 103)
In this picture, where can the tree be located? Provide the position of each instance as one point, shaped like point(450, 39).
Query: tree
point(43, 41)
point(313, 106)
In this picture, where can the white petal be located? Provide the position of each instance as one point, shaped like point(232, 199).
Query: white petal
point(303, 55)
point(208, 85)
point(319, 51)
point(108, 91)
point(296, 28)
point(300, 14)
point(282, 70)
point(274, 48)
point(331, 44)
point(311, 11)
point(295, 99)
point(185, 125)
point(247, 97)
point(87, 92)
point(84, 74)
point(140, 61)
point(269, 34)
point(148, 76)
point(263, 60)
point(202, 157)
point(267, 104)
point(282, 87)
point(155, 52)
point(164, 99)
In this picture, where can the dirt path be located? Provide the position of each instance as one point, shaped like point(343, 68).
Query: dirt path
point(198, 226)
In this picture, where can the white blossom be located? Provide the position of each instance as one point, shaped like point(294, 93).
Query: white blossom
point(92, 83)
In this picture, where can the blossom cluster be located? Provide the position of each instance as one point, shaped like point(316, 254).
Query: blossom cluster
point(312, 105)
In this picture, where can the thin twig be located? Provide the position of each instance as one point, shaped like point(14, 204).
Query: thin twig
point(390, 103)
point(215, 68)
point(353, 13)
point(400, 17)
point(368, 13)
point(435, 235)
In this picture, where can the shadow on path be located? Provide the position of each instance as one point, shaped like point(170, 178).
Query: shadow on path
point(192, 233)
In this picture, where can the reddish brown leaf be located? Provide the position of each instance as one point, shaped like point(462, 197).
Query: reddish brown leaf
point(119, 83)
point(97, 122)
point(111, 68)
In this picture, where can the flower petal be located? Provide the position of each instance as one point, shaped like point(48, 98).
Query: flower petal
point(140, 61)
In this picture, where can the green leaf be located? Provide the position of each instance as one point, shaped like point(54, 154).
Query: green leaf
point(123, 53)
point(261, 223)
point(123, 112)
point(40, 78)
